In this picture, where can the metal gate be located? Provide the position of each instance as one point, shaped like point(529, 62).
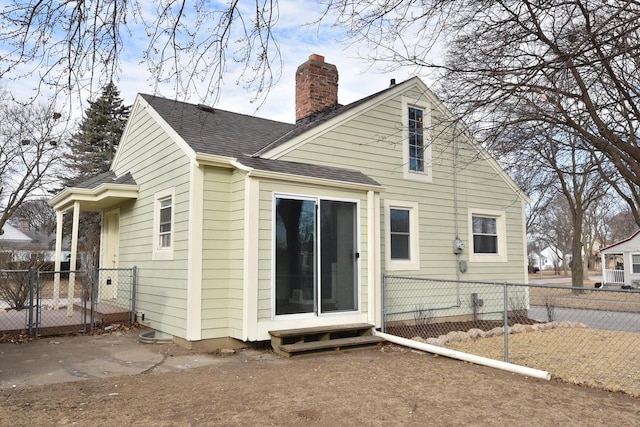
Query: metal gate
point(41, 303)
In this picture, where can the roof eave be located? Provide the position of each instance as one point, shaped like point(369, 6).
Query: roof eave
point(94, 199)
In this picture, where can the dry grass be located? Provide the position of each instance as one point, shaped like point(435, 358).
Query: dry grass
point(596, 358)
point(595, 299)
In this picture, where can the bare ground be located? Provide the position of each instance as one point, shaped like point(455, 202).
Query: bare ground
point(388, 386)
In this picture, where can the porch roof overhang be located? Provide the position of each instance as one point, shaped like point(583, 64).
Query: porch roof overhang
point(97, 199)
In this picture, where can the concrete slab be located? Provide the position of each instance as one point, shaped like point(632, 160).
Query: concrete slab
point(65, 359)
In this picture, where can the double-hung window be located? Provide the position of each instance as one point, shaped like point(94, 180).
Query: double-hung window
point(401, 230)
point(163, 224)
point(164, 231)
point(635, 263)
point(485, 235)
point(400, 233)
point(487, 231)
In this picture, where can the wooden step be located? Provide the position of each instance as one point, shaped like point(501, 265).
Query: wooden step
point(284, 333)
point(288, 342)
point(337, 344)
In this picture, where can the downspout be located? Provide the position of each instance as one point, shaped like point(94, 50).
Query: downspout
point(455, 212)
point(454, 354)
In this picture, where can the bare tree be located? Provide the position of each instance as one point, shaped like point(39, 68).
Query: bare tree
point(79, 45)
point(38, 214)
point(572, 66)
point(30, 149)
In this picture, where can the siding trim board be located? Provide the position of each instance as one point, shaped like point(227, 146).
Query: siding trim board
point(194, 276)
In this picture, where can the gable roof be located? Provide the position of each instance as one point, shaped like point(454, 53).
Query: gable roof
point(319, 119)
point(616, 245)
point(9, 232)
point(238, 136)
point(218, 132)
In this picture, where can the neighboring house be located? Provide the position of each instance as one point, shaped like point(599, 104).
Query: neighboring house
point(621, 262)
point(240, 225)
point(549, 258)
point(18, 244)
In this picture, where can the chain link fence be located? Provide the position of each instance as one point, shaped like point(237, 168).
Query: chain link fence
point(41, 303)
point(585, 336)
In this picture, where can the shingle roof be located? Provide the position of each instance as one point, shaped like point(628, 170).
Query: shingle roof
point(224, 133)
point(309, 170)
point(219, 132)
point(106, 178)
point(318, 119)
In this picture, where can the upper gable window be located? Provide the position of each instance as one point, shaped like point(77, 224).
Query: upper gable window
point(416, 146)
point(416, 140)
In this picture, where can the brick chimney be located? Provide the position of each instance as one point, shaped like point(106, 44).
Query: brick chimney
point(316, 87)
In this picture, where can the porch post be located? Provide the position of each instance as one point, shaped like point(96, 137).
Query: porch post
point(603, 267)
point(58, 259)
point(74, 253)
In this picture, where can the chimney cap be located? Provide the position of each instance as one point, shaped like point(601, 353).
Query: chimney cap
point(316, 57)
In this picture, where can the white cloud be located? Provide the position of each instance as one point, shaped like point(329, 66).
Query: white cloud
point(297, 41)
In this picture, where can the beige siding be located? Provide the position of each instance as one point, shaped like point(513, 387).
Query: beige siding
point(372, 143)
point(215, 253)
point(162, 285)
point(236, 254)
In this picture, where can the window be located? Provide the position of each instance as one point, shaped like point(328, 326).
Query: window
point(402, 249)
point(416, 146)
point(163, 225)
point(416, 140)
point(488, 236)
point(400, 233)
point(164, 233)
point(315, 255)
point(485, 235)
point(635, 263)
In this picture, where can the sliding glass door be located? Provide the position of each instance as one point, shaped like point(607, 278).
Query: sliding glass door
point(315, 256)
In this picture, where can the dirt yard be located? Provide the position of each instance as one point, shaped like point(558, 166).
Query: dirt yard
point(388, 386)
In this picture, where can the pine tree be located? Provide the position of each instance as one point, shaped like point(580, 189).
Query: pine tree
point(94, 146)
point(92, 151)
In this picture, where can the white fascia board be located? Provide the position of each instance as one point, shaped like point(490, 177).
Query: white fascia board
point(64, 200)
point(280, 176)
point(140, 104)
point(220, 161)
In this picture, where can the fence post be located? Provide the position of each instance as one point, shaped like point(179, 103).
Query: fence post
point(95, 277)
point(382, 308)
point(134, 273)
point(31, 305)
point(506, 323)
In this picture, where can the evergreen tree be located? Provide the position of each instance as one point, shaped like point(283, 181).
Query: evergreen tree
point(94, 146)
point(92, 151)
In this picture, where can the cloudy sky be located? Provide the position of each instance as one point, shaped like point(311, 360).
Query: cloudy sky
point(357, 78)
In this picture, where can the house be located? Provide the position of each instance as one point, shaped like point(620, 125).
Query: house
point(621, 262)
point(241, 225)
point(549, 258)
point(18, 244)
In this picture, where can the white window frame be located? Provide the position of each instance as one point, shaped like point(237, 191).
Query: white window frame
point(634, 264)
point(427, 174)
point(501, 228)
point(413, 263)
point(163, 253)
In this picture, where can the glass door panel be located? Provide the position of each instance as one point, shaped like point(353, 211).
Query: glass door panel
point(338, 256)
point(295, 256)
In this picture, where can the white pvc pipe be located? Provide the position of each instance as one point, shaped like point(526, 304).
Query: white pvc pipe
point(454, 354)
